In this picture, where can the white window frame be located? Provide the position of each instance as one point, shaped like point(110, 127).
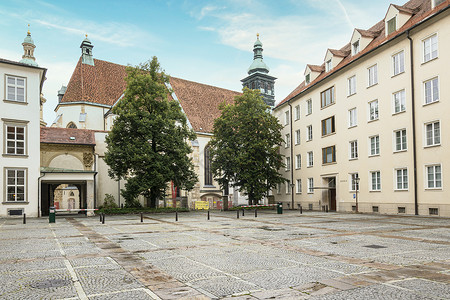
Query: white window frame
point(403, 145)
point(434, 82)
point(374, 112)
point(288, 164)
point(351, 85)
point(435, 138)
point(387, 25)
point(288, 187)
point(436, 180)
point(328, 65)
point(278, 188)
point(309, 107)
point(375, 186)
point(297, 112)
point(13, 138)
point(372, 75)
point(16, 88)
point(310, 185)
point(286, 117)
point(376, 150)
point(352, 117)
point(298, 161)
point(297, 137)
point(324, 96)
point(309, 131)
point(310, 157)
point(398, 63)
point(353, 184)
point(399, 98)
point(299, 186)
point(15, 185)
point(433, 48)
point(353, 150)
point(355, 47)
point(287, 140)
point(403, 183)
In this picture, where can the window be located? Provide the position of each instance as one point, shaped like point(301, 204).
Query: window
point(398, 61)
point(299, 186)
point(375, 209)
point(71, 125)
point(288, 187)
point(328, 126)
point(431, 88)
point(399, 101)
point(308, 78)
point(309, 106)
point(310, 185)
point(286, 118)
point(352, 85)
point(327, 97)
point(354, 183)
point(392, 25)
point(328, 65)
point(355, 47)
point(15, 88)
point(375, 145)
point(400, 140)
point(298, 161)
point(278, 188)
point(310, 133)
point(297, 112)
point(433, 134)
point(373, 110)
point(352, 117)
point(373, 75)
point(297, 137)
point(15, 185)
point(430, 48)
point(310, 159)
point(288, 163)
point(15, 139)
point(287, 141)
point(434, 177)
point(329, 155)
point(207, 162)
point(433, 211)
point(376, 181)
point(353, 149)
point(401, 209)
point(401, 179)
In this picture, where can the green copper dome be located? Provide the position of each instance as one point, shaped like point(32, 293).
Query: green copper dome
point(29, 62)
point(258, 64)
point(28, 39)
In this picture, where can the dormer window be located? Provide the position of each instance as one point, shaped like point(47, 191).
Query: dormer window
point(355, 47)
point(308, 78)
point(392, 25)
point(328, 65)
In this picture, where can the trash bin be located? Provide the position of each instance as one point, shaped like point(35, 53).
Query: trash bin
point(280, 208)
point(51, 214)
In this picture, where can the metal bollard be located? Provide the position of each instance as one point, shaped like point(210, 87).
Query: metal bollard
point(24, 218)
point(326, 208)
point(256, 213)
point(142, 218)
point(301, 209)
point(103, 218)
point(237, 214)
point(176, 216)
point(208, 214)
point(289, 206)
point(243, 212)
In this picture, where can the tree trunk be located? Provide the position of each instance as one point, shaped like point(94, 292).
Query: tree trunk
point(153, 197)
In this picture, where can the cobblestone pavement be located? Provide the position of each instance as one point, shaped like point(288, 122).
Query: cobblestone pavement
point(289, 256)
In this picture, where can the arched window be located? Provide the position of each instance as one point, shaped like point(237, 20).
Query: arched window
point(72, 194)
point(71, 125)
point(208, 174)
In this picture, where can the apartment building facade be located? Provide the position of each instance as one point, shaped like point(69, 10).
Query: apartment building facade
point(368, 130)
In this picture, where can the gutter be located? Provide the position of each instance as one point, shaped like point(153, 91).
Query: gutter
point(292, 155)
point(39, 194)
point(413, 116)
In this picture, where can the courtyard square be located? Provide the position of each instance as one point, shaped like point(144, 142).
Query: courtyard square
point(313, 255)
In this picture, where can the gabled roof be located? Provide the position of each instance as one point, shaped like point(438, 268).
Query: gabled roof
point(422, 9)
point(339, 53)
point(316, 68)
point(104, 83)
point(368, 33)
point(70, 136)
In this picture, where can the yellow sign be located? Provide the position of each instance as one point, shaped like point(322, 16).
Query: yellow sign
point(201, 205)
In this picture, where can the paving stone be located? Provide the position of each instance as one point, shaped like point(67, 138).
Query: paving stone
point(128, 295)
point(223, 286)
point(425, 287)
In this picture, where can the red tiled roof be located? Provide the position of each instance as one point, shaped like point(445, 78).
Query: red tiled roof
point(72, 136)
point(316, 68)
point(368, 33)
point(104, 83)
point(422, 9)
point(339, 53)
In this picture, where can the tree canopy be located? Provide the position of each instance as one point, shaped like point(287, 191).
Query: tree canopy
point(148, 144)
point(245, 146)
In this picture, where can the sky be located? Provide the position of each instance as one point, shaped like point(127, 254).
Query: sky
point(210, 42)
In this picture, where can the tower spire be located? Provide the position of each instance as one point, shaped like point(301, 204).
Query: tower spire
point(28, 50)
point(86, 52)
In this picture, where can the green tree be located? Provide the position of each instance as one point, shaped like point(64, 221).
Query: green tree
point(244, 148)
point(148, 144)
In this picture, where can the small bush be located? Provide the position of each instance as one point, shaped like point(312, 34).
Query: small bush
point(109, 202)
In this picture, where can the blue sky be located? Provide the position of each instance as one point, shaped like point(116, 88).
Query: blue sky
point(205, 41)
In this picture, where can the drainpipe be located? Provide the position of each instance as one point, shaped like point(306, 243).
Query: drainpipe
point(95, 180)
point(39, 195)
point(292, 155)
point(413, 115)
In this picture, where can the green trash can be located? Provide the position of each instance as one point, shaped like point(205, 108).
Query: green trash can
point(51, 214)
point(280, 208)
